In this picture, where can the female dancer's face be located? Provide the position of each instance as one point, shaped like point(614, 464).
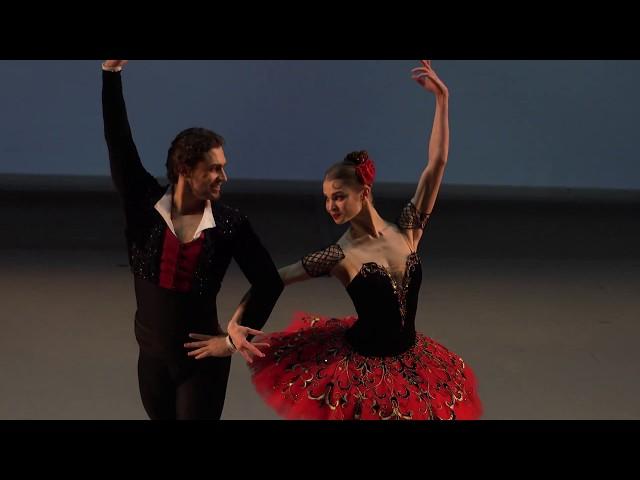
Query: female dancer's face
point(342, 201)
point(207, 177)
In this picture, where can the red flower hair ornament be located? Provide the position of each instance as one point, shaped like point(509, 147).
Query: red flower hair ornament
point(365, 168)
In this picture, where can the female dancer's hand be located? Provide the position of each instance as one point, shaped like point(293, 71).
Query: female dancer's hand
point(239, 334)
point(427, 79)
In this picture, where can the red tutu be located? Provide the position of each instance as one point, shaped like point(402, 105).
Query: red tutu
point(311, 372)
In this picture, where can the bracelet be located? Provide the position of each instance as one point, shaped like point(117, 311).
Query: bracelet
point(230, 344)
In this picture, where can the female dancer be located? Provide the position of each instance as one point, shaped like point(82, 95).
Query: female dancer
point(373, 365)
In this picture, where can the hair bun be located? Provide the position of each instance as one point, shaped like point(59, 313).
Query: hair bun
point(357, 158)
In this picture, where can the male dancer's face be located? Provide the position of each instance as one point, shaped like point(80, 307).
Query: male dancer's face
point(342, 201)
point(207, 177)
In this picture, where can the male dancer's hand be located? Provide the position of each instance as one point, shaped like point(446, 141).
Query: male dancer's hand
point(216, 345)
point(208, 346)
point(114, 64)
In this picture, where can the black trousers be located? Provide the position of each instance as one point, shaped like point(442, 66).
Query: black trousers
point(188, 389)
